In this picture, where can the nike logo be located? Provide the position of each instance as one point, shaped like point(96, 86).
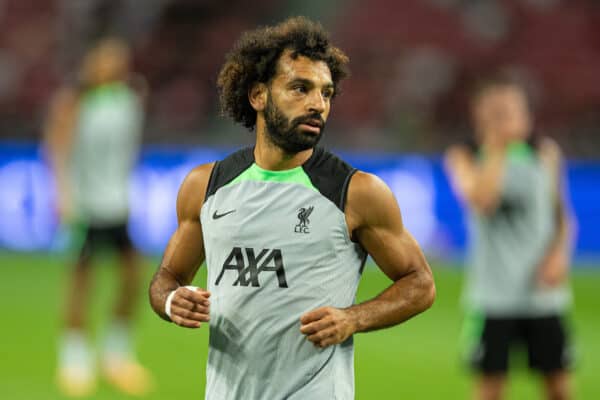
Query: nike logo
point(217, 216)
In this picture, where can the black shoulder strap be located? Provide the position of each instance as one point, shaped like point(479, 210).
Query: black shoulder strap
point(330, 175)
point(228, 169)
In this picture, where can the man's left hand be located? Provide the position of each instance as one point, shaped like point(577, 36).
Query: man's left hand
point(326, 326)
point(554, 269)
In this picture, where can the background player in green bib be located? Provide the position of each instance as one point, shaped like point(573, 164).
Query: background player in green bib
point(284, 228)
point(516, 289)
point(93, 138)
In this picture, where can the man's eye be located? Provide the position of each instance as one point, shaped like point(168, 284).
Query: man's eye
point(299, 89)
point(328, 94)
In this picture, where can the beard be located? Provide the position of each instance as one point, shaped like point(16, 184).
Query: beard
point(286, 134)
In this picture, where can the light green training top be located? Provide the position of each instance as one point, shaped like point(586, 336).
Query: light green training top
point(277, 246)
point(508, 246)
point(107, 142)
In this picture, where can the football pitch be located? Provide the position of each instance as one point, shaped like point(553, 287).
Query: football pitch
point(416, 360)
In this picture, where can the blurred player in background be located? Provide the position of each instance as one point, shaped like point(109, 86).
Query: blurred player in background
point(285, 228)
point(516, 292)
point(93, 137)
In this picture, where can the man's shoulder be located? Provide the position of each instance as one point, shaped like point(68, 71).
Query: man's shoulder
point(371, 203)
point(201, 172)
point(204, 180)
point(342, 183)
point(192, 191)
point(330, 175)
point(366, 188)
point(197, 179)
point(227, 169)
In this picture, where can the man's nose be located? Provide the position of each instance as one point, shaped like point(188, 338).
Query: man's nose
point(316, 102)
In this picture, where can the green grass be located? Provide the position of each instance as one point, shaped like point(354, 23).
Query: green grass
point(417, 360)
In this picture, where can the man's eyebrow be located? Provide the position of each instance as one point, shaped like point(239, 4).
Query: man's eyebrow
point(304, 81)
point(308, 82)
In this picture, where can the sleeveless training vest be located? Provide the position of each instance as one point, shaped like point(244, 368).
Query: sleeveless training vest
point(277, 246)
point(508, 246)
point(106, 146)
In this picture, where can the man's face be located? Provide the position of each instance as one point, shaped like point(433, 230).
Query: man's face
point(108, 62)
point(503, 111)
point(298, 103)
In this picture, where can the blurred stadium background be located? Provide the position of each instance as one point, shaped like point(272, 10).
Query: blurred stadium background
point(411, 62)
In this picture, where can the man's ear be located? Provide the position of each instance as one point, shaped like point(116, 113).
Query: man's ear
point(257, 95)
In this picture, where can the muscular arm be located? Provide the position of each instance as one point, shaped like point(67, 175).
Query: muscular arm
point(183, 256)
point(479, 184)
point(374, 218)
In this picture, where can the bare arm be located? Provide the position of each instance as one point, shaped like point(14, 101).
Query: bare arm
point(554, 267)
point(58, 137)
point(479, 184)
point(374, 218)
point(183, 256)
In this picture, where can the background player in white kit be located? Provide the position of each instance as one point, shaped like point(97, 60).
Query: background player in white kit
point(93, 138)
point(282, 318)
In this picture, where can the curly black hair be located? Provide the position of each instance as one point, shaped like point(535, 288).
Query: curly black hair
point(254, 59)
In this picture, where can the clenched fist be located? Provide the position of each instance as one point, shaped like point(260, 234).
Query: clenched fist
point(326, 326)
point(189, 308)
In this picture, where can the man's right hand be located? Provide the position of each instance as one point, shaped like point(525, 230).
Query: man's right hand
point(190, 308)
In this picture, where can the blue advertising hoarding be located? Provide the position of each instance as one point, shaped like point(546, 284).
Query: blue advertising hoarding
point(28, 220)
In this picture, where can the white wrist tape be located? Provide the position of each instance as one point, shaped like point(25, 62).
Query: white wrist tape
point(170, 298)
